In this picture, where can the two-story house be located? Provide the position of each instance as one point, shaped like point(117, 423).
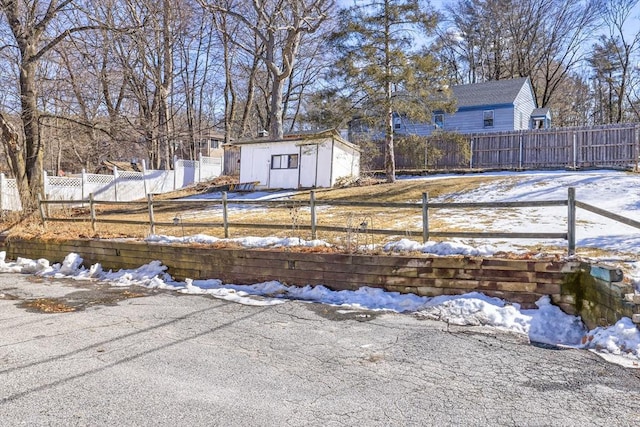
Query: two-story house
point(494, 106)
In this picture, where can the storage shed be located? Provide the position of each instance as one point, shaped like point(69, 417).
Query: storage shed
point(298, 161)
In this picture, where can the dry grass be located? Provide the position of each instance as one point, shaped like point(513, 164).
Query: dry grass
point(403, 191)
point(285, 221)
point(406, 221)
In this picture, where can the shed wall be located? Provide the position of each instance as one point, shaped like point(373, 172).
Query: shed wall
point(346, 162)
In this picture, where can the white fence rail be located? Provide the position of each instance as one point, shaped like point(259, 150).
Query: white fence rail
point(122, 186)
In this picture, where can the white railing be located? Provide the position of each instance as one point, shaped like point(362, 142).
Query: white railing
point(119, 187)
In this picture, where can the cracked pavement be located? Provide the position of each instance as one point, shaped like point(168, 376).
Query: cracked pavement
point(138, 357)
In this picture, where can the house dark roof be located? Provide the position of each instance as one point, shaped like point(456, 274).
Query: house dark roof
point(540, 112)
point(494, 92)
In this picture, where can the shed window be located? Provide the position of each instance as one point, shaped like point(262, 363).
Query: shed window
point(438, 120)
point(487, 117)
point(284, 161)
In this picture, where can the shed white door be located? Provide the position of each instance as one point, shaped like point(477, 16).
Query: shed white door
point(257, 167)
point(308, 166)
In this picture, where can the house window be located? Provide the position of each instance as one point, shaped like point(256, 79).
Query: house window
point(214, 143)
point(538, 123)
point(438, 120)
point(397, 121)
point(487, 118)
point(284, 161)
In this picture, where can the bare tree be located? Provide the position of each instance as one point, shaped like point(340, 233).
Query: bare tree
point(36, 29)
point(31, 23)
point(497, 39)
point(613, 55)
point(279, 26)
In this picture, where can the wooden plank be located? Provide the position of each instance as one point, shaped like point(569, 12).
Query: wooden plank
point(496, 235)
point(607, 214)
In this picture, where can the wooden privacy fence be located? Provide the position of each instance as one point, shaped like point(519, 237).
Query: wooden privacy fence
point(424, 206)
point(610, 146)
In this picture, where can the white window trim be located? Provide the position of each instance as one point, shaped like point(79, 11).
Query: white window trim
point(484, 119)
point(435, 120)
point(283, 161)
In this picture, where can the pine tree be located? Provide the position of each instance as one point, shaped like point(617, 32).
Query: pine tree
point(385, 66)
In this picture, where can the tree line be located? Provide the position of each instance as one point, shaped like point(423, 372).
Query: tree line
point(89, 80)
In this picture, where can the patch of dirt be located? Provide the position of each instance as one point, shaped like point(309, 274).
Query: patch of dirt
point(95, 294)
point(47, 305)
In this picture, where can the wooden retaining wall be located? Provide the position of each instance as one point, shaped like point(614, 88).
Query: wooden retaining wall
point(520, 281)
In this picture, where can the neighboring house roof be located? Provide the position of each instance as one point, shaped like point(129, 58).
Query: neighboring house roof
point(540, 112)
point(213, 134)
point(495, 92)
point(110, 165)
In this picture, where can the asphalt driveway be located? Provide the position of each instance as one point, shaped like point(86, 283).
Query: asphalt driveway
point(73, 353)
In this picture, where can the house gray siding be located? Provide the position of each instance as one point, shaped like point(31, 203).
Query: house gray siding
point(512, 102)
point(469, 120)
point(524, 105)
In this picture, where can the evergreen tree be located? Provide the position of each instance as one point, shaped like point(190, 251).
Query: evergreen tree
point(385, 66)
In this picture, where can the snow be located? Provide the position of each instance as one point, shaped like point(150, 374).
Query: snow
point(614, 191)
point(618, 192)
point(248, 242)
point(440, 248)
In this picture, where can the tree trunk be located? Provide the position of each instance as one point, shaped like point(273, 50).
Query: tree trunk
point(244, 124)
point(275, 113)
point(34, 160)
point(389, 156)
point(10, 140)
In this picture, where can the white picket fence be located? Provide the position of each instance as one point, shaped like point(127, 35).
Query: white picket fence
point(122, 186)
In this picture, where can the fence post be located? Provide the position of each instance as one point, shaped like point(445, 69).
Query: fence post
point(175, 172)
point(225, 218)
point(199, 167)
point(471, 154)
point(425, 217)
point(636, 151)
point(152, 222)
point(92, 211)
point(115, 183)
point(45, 183)
point(2, 187)
point(41, 209)
point(84, 181)
point(575, 150)
point(571, 221)
point(144, 178)
point(520, 154)
point(312, 207)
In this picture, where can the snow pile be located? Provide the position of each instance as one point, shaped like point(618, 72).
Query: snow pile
point(621, 339)
point(363, 298)
point(546, 324)
point(439, 248)
point(23, 265)
point(215, 289)
point(247, 242)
